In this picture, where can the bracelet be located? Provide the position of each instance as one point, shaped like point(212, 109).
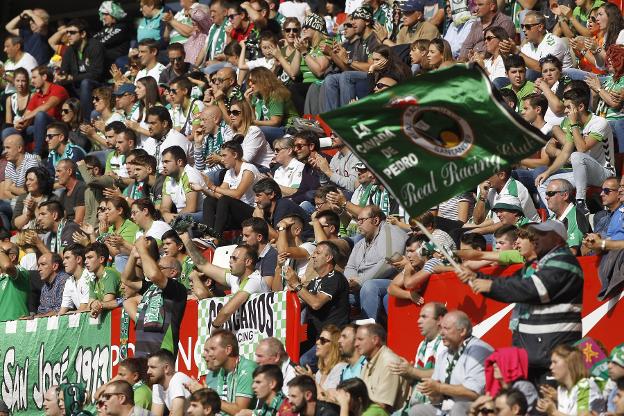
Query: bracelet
point(603, 245)
point(575, 125)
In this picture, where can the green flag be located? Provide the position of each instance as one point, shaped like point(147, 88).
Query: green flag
point(435, 136)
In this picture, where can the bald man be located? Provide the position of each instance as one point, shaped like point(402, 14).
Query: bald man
point(211, 134)
point(226, 90)
point(53, 277)
point(14, 284)
point(18, 162)
point(156, 331)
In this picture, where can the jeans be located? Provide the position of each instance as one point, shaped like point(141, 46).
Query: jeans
point(83, 91)
point(618, 132)
point(6, 214)
point(341, 88)
point(586, 171)
point(309, 358)
point(272, 133)
point(373, 294)
point(527, 178)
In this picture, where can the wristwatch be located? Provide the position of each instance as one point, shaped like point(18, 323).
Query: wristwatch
point(298, 287)
point(349, 61)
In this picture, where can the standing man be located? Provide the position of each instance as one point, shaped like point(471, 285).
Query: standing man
point(14, 284)
point(76, 291)
point(32, 26)
point(459, 375)
point(386, 389)
point(168, 386)
point(256, 235)
point(50, 267)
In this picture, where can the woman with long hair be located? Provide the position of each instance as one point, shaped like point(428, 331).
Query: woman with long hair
point(313, 65)
point(575, 391)
point(256, 149)
point(103, 103)
point(587, 61)
point(330, 364)
point(440, 54)
point(16, 103)
point(232, 202)
point(134, 371)
point(148, 96)
point(551, 85)
point(609, 92)
point(271, 102)
point(70, 114)
point(288, 56)
point(353, 399)
point(610, 21)
point(386, 63)
point(492, 61)
point(39, 188)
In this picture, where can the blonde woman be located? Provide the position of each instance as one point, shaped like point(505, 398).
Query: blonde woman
point(330, 363)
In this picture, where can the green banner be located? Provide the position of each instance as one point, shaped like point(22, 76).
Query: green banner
point(37, 354)
point(262, 316)
point(435, 136)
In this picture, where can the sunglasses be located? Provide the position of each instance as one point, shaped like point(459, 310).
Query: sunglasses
point(235, 112)
point(381, 85)
point(220, 80)
point(300, 146)
point(607, 191)
point(231, 16)
point(348, 25)
point(489, 38)
point(176, 59)
point(592, 19)
point(101, 209)
point(173, 90)
point(65, 111)
point(50, 136)
point(486, 411)
point(95, 98)
point(291, 30)
point(323, 340)
point(72, 32)
point(550, 194)
point(528, 26)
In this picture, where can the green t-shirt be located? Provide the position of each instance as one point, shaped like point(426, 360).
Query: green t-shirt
point(142, 396)
point(510, 257)
point(14, 294)
point(109, 283)
point(308, 75)
point(527, 88)
point(375, 410)
point(236, 383)
point(266, 109)
point(127, 231)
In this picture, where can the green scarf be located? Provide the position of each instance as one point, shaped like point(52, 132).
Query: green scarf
point(153, 304)
point(74, 395)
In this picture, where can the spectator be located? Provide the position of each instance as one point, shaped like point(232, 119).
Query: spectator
point(72, 195)
point(292, 251)
point(213, 131)
point(148, 53)
point(458, 379)
point(148, 96)
point(415, 24)
point(609, 198)
point(386, 390)
point(16, 58)
point(179, 27)
point(267, 386)
point(411, 263)
point(255, 233)
point(184, 109)
point(51, 219)
point(552, 85)
point(103, 105)
point(227, 205)
point(104, 289)
point(429, 322)
point(575, 391)
point(115, 34)
point(511, 402)
point(256, 149)
point(118, 399)
point(51, 402)
point(161, 130)
point(18, 163)
point(217, 35)
point(169, 391)
point(535, 107)
point(15, 282)
point(134, 371)
point(302, 394)
point(242, 278)
point(353, 398)
point(488, 16)
point(314, 63)
point(517, 75)
point(16, 103)
point(289, 173)
point(204, 402)
point(355, 362)
point(492, 59)
point(307, 150)
point(610, 21)
point(177, 67)
point(70, 114)
point(76, 291)
point(144, 214)
point(38, 187)
point(195, 46)
point(559, 282)
point(507, 368)
point(330, 364)
point(270, 351)
point(326, 226)
point(152, 26)
point(32, 26)
point(341, 168)
point(226, 90)
point(83, 64)
point(57, 138)
point(43, 107)
point(50, 267)
point(173, 246)
point(179, 187)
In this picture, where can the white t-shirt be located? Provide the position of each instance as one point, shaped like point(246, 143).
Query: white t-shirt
point(550, 45)
point(598, 128)
point(301, 265)
point(292, 9)
point(76, 293)
point(28, 62)
point(176, 389)
point(156, 231)
point(233, 181)
point(174, 138)
point(177, 190)
point(261, 63)
point(289, 175)
point(255, 283)
point(495, 68)
point(550, 117)
point(256, 149)
point(154, 72)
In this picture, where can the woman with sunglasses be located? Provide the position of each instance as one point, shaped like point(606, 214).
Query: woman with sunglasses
point(288, 56)
point(330, 363)
point(70, 114)
point(440, 54)
point(102, 98)
point(576, 392)
point(148, 96)
point(552, 84)
point(16, 103)
point(387, 65)
point(256, 149)
point(609, 19)
point(232, 202)
point(353, 399)
point(313, 64)
point(38, 186)
point(271, 103)
point(493, 60)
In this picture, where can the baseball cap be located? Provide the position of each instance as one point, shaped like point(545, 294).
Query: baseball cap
point(508, 203)
point(412, 6)
point(126, 88)
point(552, 226)
point(360, 166)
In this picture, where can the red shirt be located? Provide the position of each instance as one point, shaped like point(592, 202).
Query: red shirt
point(238, 35)
point(40, 98)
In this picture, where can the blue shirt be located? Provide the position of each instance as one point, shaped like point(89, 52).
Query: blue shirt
point(353, 371)
point(36, 44)
point(52, 294)
point(616, 225)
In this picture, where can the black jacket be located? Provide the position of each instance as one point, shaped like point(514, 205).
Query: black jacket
point(91, 66)
point(116, 41)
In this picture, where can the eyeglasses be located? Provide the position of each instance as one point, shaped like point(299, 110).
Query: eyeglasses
point(528, 26)
point(164, 267)
point(176, 59)
point(592, 19)
point(361, 220)
point(101, 209)
point(95, 98)
point(50, 136)
point(72, 32)
point(550, 194)
point(235, 113)
point(220, 80)
point(607, 191)
point(381, 85)
point(106, 396)
point(300, 146)
point(65, 111)
point(323, 340)
point(231, 16)
point(173, 90)
point(291, 30)
point(348, 25)
point(489, 38)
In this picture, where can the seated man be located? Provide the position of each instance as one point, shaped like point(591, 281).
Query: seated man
point(516, 72)
point(271, 351)
point(177, 190)
point(293, 252)
point(59, 230)
point(57, 138)
point(169, 391)
point(267, 386)
point(18, 163)
point(73, 190)
point(50, 267)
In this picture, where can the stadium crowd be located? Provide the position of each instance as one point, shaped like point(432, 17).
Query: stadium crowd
point(132, 147)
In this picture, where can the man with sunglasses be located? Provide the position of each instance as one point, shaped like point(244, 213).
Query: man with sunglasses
point(118, 400)
point(82, 68)
point(184, 109)
point(57, 138)
point(177, 67)
point(125, 99)
point(225, 90)
point(610, 200)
